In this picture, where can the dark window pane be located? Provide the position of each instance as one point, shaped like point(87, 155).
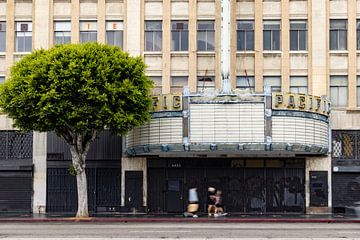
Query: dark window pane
point(157, 41)
point(302, 40)
point(333, 40)
point(250, 40)
point(267, 40)
point(276, 40)
point(211, 41)
point(148, 41)
point(184, 41)
point(294, 40)
point(241, 41)
point(342, 40)
point(110, 37)
point(175, 41)
point(2, 41)
point(201, 41)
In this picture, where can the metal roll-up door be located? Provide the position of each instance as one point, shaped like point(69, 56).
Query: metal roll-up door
point(346, 189)
point(15, 191)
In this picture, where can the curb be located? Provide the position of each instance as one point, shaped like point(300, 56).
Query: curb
point(175, 220)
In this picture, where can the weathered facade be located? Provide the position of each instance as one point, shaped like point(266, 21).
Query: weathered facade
point(299, 46)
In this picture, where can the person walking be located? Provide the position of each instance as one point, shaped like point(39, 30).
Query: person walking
point(211, 201)
point(193, 204)
point(219, 210)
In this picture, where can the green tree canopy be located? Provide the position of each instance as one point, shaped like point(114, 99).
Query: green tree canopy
point(77, 90)
point(78, 86)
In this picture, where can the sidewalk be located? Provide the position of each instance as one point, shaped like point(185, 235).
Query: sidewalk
point(161, 218)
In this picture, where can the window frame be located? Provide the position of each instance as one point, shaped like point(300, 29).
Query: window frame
point(274, 88)
point(204, 85)
point(90, 32)
point(338, 87)
point(298, 32)
point(63, 36)
point(115, 30)
point(23, 35)
point(154, 47)
point(182, 34)
point(297, 86)
point(337, 32)
point(208, 47)
point(2, 36)
point(273, 32)
point(249, 83)
point(245, 32)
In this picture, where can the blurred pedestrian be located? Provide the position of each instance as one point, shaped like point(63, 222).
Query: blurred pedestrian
point(219, 210)
point(193, 204)
point(211, 201)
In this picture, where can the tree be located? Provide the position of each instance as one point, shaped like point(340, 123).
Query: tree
point(77, 91)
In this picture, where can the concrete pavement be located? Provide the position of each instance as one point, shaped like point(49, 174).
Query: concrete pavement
point(119, 231)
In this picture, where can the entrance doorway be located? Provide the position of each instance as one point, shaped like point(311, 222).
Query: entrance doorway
point(248, 186)
point(134, 189)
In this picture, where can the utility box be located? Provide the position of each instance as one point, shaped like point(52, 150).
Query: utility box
point(318, 188)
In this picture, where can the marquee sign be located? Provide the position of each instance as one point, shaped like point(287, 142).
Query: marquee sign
point(167, 102)
point(301, 102)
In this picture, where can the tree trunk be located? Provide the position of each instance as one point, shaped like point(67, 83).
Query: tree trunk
point(78, 161)
point(83, 210)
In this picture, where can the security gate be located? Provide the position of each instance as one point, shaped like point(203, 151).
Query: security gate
point(103, 190)
point(15, 191)
point(251, 186)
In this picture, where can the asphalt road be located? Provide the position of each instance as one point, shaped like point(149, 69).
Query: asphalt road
point(179, 230)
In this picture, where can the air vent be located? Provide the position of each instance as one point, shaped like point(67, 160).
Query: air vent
point(24, 27)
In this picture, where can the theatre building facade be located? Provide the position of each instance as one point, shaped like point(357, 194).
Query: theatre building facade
point(258, 98)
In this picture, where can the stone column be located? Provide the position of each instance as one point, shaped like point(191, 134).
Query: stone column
point(75, 24)
point(320, 43)
point(352, 59)
point(41, 28)
point(133, 29)
point(40, 172)
point(192, 46)
point(285, 45)
point(166, 42)
point(259, 46)
point(101, 23)
point(10, 36)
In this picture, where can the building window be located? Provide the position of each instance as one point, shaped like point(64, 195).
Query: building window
point(153, 36)
point(23, 37)
point(179, 36)
point(115, 33)
point(205, 82)
point(156, 90)
point(298, 35)
point(338, 34)
point(245, 35)
point(274, 82)
point(88, 31)
point(178, 83)
point(299, 84)
point(2, 36)
point(246, 82)
point(358, 91)
point(271, 35)
point(62, 32)
point(2, 79)
point(339, 91)
point(358, 34)
point(206, 35)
